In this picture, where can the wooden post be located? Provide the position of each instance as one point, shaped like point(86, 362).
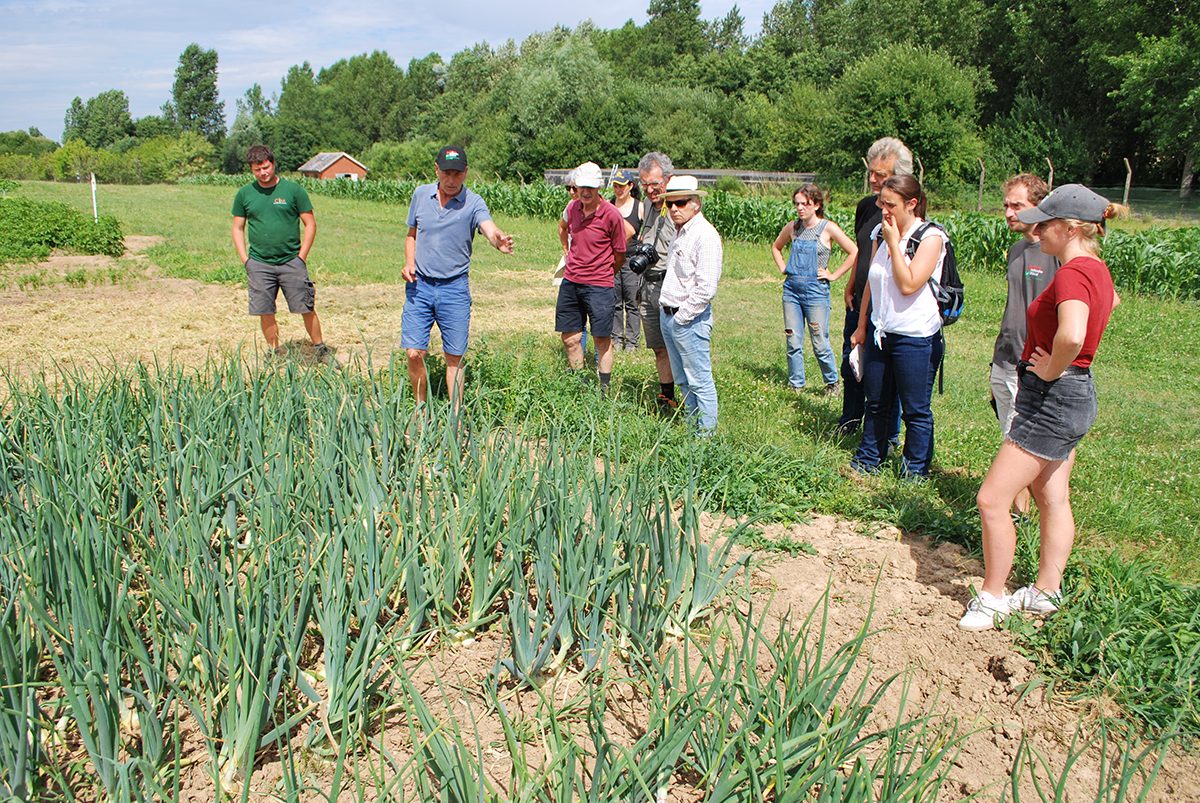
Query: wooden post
point(982, 173)
point(921, 166)
point(1050, 180)
point(866, 177)
point(1128, 182)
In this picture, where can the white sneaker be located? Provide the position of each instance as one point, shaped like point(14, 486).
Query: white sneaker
point(1032, 599)
point(984, 611)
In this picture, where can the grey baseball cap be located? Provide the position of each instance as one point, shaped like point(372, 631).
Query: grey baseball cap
point(1070, 201)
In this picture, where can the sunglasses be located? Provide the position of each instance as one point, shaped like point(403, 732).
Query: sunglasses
point(678, 203)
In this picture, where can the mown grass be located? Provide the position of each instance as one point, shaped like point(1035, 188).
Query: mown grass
point(1134, 486)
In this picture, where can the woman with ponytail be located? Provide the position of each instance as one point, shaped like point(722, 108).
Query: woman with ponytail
point(1055, 405)
point(900, 362)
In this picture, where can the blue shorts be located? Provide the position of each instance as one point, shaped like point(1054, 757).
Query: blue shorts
point(446, 302)
point(584, 303)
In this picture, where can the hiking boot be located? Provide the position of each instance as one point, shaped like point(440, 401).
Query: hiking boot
point(322, 353)
point(833, 389)
point(847, 428)
point(984, 611)
point(1032, 599)
point(666, 405)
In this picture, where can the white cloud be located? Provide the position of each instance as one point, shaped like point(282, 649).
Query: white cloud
point(56, 50)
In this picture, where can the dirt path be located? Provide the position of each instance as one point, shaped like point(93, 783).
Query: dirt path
point(975, 678)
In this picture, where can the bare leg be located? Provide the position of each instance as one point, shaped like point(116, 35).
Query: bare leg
point(270, 330)
point(662, 362)
point(454, 377)
point(574, 344)
point(1012, 470)
point(1023, 500)
point(604, 354)
point(417, 375)
point(1052, 491)
point(312, 324)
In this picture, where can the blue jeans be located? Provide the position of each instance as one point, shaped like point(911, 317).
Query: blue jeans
point(806, 305)
point(854, 400)
point(689, 347)
point(902, 369)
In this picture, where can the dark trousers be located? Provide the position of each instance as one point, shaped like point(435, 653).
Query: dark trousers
point(854, 398)
point(902, 369)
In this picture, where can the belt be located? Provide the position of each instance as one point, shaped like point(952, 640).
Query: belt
point(1071, 370)
point(670, 310)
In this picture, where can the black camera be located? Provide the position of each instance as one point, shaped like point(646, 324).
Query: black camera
point(641, 256)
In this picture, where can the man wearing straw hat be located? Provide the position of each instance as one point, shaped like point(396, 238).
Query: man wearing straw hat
point(693, 268)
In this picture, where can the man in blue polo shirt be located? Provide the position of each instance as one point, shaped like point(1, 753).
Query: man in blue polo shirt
point(442, 221)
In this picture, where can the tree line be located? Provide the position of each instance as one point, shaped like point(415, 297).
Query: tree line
point(1085, 83)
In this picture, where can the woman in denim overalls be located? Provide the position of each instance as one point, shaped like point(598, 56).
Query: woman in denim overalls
point(806, 283)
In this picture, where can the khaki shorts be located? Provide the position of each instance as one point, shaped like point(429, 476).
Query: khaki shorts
point(648, 307)
point(266, 280)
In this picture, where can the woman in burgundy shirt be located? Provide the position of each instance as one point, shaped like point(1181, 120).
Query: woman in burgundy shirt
point(1055, 405)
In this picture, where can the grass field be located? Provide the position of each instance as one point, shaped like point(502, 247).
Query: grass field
point(1134, 487)
point(344, 552)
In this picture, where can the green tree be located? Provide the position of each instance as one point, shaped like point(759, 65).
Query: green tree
point(300, 125)
point(1032, 131)
point(917, 94)
point(100, 122)
point(154, 125)
point(73, 120)
point(254, 103)
point(362, 95)
point(243, 134)
point(674, 32)
point(196, 103)
point(1161, 85)
point(26, 143)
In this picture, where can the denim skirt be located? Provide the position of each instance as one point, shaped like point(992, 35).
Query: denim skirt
point(1052, 417)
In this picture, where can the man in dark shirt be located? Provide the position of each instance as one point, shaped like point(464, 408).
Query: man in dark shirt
point(1029, 273)
point(886, 157)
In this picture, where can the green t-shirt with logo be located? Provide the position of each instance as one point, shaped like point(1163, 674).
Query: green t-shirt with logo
point(272, 219)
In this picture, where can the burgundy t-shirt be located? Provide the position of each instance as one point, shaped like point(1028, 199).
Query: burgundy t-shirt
point(593, 240)
point(1083, 279)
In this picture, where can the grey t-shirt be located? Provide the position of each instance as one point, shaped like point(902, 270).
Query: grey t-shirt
point(1029, 273)
point(657, 228)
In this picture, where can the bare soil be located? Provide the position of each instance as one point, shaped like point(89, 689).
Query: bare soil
point(919, 589)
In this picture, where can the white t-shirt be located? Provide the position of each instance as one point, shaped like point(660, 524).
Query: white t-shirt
point(893, 312)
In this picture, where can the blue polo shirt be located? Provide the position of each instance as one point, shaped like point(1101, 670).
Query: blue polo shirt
point(445, 233)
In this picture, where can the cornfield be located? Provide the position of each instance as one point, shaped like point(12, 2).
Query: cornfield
point(1160, 262)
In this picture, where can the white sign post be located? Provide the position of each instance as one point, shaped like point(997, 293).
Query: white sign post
point(95, 213)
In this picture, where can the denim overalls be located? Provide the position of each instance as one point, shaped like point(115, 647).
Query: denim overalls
point(806, 304)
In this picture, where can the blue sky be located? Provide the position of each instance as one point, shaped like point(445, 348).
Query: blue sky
point(54, 50)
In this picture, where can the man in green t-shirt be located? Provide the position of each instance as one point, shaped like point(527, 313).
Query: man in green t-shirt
point(277, 256)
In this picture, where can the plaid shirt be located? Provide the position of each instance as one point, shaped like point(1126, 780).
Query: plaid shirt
point(693, 267)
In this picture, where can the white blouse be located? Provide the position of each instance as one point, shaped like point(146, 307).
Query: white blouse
point(893, 312)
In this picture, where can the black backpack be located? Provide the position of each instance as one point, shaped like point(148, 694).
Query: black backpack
point(950, 293)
